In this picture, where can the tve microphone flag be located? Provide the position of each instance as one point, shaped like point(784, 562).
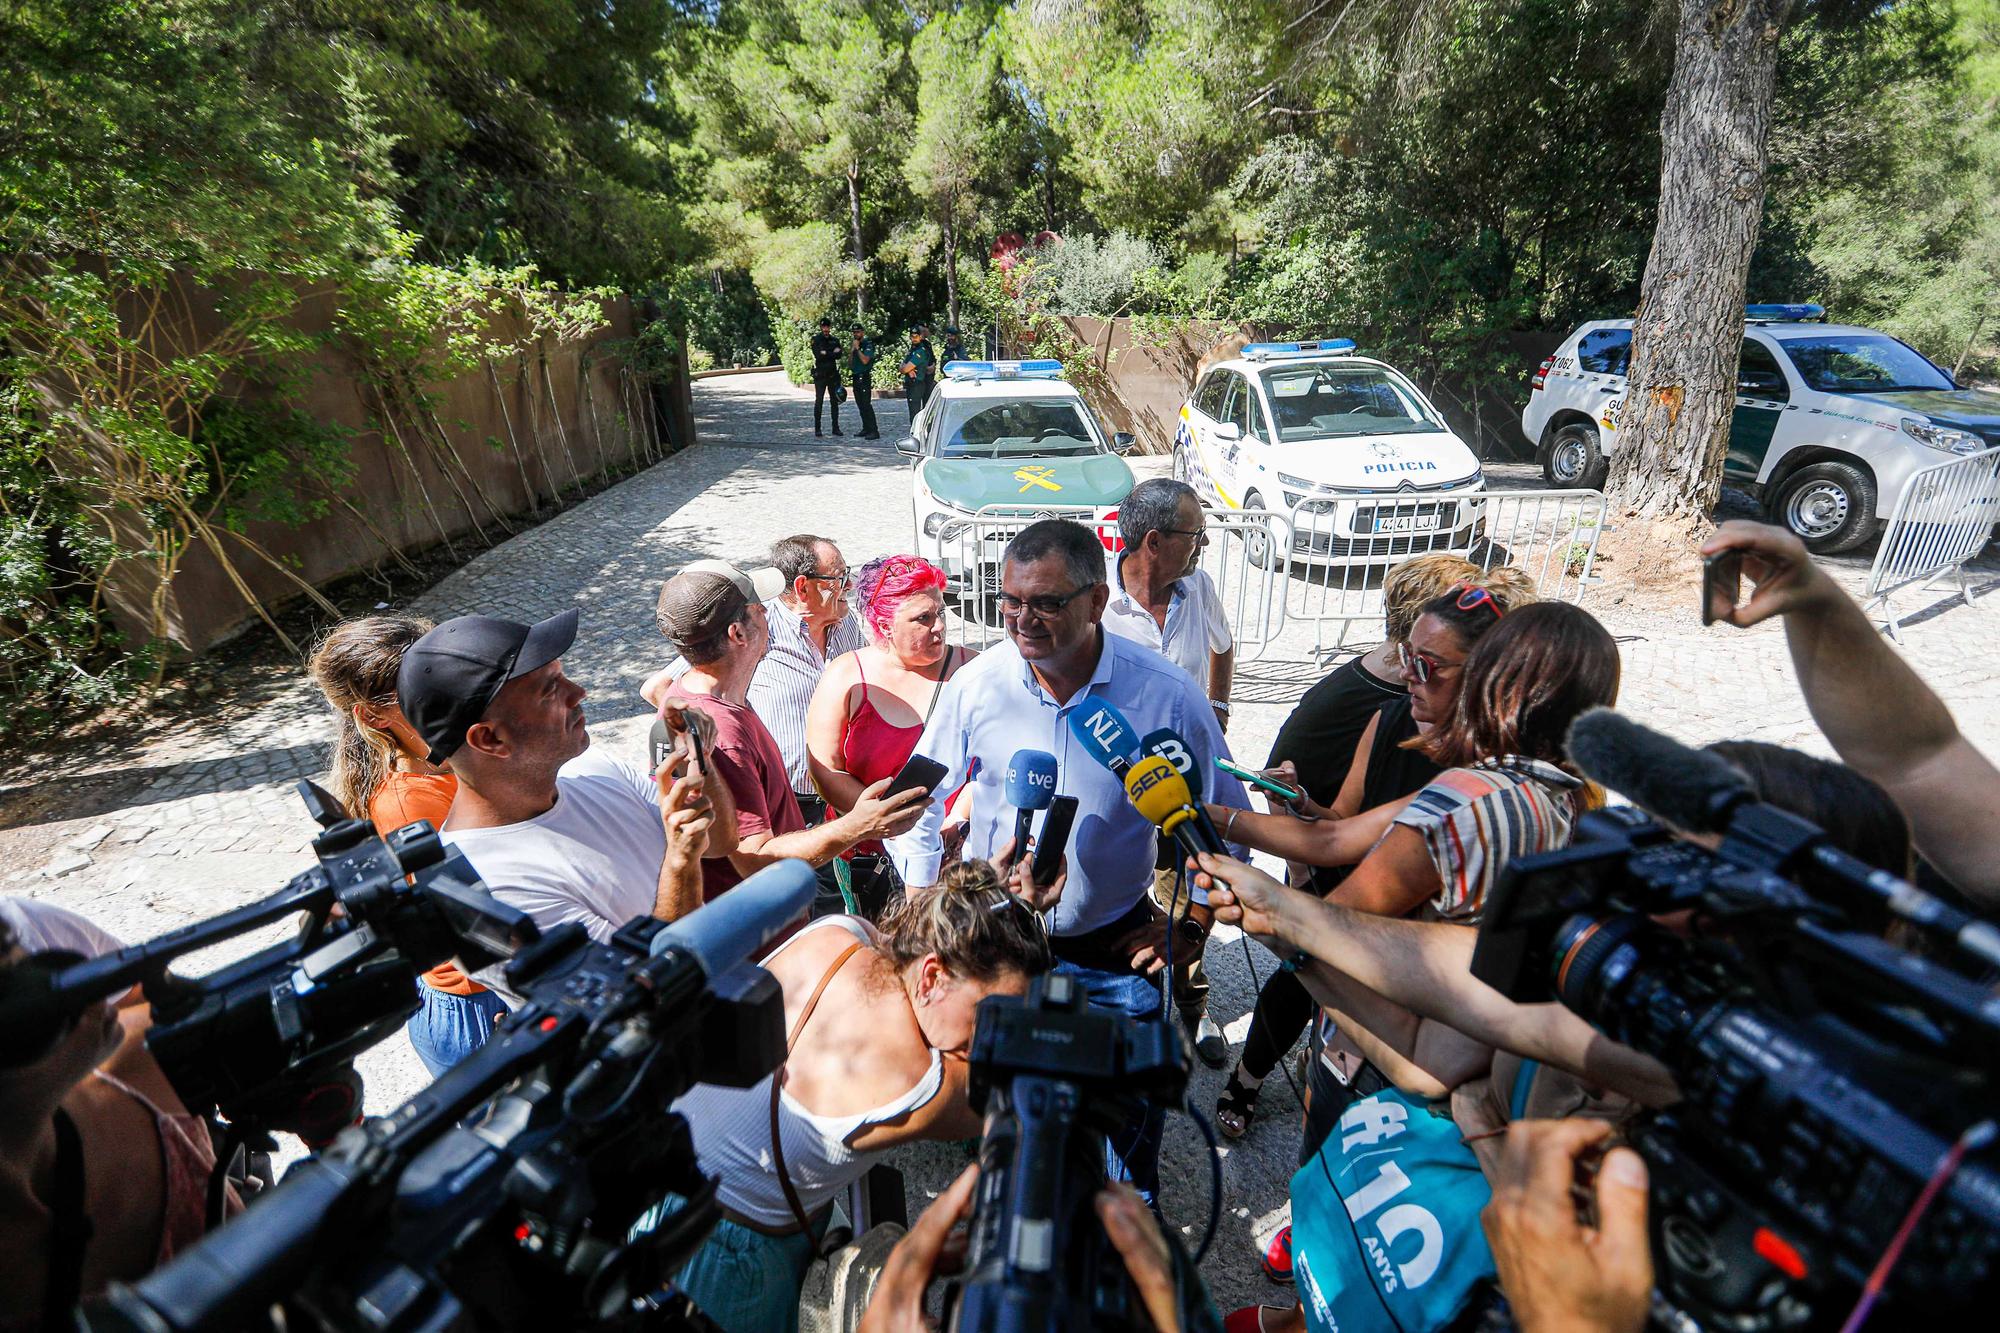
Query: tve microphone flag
point(1030, 786)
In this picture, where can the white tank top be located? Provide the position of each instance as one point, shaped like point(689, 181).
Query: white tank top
point(732, 1130)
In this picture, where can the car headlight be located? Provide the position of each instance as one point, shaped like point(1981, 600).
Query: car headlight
point(1296, 483)
point(1942, 437)
point(944, 527)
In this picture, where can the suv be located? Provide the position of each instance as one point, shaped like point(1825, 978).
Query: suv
point(1003, 438)
point(1830, 419)
point(1356, 459)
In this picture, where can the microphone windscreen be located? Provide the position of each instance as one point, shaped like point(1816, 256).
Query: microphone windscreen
point(1691, 789)
point(741, 922)
point(1031, 779)
point(1102, 730)
point(1156, 790)
point(1171, 746)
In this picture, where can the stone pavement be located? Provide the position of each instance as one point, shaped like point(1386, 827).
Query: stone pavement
point(206, 819)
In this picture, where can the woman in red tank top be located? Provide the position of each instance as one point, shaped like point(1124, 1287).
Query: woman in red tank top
point(871, 704)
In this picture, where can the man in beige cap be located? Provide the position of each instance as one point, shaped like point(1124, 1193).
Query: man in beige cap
point(713, 613)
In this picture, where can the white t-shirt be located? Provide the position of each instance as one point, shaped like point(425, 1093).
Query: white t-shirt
point(38, 927)
point(1196, 624)
point(594, 856)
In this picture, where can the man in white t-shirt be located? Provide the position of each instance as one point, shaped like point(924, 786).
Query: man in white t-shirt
point(1161, 597)
point(554, 828)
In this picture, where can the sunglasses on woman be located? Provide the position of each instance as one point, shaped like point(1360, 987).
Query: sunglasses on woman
point(1421, 664)
point(1471, 595)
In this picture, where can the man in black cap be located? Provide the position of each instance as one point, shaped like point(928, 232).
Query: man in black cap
point(954, 346)
point(555, 828)
point(919, 370)
point(826, 374)
point(861, 372)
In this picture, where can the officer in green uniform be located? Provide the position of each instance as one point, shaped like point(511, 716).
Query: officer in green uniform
point(861, 371)
point(919, 370)
point(954, 347)
point(826, 373)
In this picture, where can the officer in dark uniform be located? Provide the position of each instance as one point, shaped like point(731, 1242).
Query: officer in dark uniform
point(861, 373)
point(954, 347)
point(826, 373)
point(919, 370)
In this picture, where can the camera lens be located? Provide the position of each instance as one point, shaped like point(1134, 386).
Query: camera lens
point(1593, 954)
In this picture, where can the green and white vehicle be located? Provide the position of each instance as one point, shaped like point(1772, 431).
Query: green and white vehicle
point(1830, 421)
point(1003, 440)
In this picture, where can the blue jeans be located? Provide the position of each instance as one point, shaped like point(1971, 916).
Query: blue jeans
point(446, 1028)
point(1133, 1153)
point(744, 1280)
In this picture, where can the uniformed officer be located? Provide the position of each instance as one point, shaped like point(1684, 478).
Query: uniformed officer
point(826, 374)
point(861, 373)
point(919, 370)
point(954, 347)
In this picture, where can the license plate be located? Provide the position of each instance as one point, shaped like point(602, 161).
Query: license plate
point(1422, 521)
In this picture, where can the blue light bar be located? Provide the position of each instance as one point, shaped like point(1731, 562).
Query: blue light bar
point(1268, 351)
point(1784, 313)
point(1003, 370)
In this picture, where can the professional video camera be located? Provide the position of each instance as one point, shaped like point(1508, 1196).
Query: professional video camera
point(504, 1196)
point(1053, 1078)
point(268, 1042)
point(1834, 1148)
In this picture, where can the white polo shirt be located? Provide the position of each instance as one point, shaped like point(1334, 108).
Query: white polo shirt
point(1196, 625)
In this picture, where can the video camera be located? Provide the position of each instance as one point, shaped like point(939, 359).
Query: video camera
point(505, 1195)
point(1053, 1078)
point(1834, 1144)
point(268, 1042)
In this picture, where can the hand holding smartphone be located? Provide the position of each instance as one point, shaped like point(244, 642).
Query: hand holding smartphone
point(1289, 795)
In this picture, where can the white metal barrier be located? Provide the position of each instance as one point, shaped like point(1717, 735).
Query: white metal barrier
point(1340, 547)
point(1944, 517)
point(1253, 597)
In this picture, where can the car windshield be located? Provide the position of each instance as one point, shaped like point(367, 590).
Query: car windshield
point(986, 428)
point(1314, 402)
point(1862, 363)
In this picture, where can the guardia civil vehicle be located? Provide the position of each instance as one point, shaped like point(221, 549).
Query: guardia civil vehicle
point(1358, 461)
point(1006, 440)
point(1830, 420)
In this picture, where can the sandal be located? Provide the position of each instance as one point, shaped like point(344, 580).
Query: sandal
point(1277, 1257)
point(1237, 1106)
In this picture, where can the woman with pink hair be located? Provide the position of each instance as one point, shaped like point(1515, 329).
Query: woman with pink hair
point(871, 704)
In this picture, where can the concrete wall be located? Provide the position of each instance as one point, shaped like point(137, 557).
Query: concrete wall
point(1149, 380)
point(526, 428)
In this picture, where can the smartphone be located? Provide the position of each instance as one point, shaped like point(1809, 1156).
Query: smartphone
point(1278, 789)
point(1720, 574)
point(920, 771)
point(1053, 840)
point(661, 746)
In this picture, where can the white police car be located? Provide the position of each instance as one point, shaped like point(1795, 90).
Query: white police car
point(1357, 460)
point(1008, 440)
point(1830, 419)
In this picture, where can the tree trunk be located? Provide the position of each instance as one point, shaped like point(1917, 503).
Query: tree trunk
point(854, 230)
point(1674, 423)
point(951, 266)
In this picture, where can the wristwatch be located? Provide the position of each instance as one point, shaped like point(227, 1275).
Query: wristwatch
point(1219, 705)
point(1191, 932)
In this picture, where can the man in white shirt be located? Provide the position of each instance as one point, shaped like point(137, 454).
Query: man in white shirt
point(561, 831)
point(1162, 598)
point(1058, 660)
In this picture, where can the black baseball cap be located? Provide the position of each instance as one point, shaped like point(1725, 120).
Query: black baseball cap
point(449, 677)
point(825, 323)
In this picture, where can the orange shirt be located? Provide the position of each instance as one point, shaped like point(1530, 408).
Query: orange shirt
point(404, 798)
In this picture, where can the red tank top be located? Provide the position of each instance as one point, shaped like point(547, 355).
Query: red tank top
point(873, 748)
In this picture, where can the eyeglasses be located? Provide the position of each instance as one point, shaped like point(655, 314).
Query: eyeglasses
point(845, 578)
point(1185, 532)
point(1422, 665)
point(1471, 595)
point(1045, 607)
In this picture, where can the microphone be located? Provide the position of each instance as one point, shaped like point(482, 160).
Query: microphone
point(1030, 786)
point(1171, 746)
point(1164, 799)
point(1103, 731)
point(736, 926)
point(1700, 792)
point(1693, 790)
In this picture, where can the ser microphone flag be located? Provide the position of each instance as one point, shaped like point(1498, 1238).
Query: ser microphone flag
point(1159, 794)
point(1103, 731)
point(1030, 786)
point(1171, 746)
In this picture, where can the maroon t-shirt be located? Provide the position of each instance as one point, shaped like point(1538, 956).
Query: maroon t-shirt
point(745, 756)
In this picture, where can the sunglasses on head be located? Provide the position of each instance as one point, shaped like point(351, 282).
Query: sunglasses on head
point(1471, 595)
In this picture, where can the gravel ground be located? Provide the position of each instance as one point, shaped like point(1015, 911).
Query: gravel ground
point(201, 816)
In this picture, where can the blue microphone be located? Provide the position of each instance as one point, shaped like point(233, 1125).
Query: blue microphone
point(1030, 786)
point(736, 926)
point(1102, 730)
point(1171, 746)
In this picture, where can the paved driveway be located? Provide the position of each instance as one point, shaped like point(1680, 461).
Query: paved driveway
point(201, 822)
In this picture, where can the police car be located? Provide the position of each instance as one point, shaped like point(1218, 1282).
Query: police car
point(1830, 419)
point(1004, 439)
point(1346, 448)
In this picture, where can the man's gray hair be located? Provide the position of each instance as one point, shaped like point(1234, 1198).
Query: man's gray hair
point(1153, 506)
point(797, 557)
point(1082, 553)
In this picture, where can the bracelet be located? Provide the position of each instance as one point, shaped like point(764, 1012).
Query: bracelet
point(1229, 824)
